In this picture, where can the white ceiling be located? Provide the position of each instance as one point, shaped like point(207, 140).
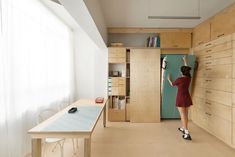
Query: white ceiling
point(134, 13)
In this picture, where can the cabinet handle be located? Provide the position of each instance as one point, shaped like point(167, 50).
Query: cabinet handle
point(208, 62)
point(208, 91)
point(220, 35)
point(208, 103)
point(208, 69)
point(208, 56)
point(208, 50)
point(208, 80)
point(208, 44)
point(200, 42)
point(208, 114)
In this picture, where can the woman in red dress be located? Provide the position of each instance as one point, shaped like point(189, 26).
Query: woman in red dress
point(183, 99)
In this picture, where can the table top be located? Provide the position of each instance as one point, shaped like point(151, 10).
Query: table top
point(64, 124)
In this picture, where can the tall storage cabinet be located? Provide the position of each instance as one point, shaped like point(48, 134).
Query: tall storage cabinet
point(145, 85)
point(233, 96)
point(223, 23)
point(201, 34)
point(118, 83)
point(213, 93)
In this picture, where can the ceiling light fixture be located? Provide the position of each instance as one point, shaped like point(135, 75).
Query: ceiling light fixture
point(179, 17)
point(175, 17)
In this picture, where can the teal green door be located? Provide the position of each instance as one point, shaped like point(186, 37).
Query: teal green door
point(172, 66)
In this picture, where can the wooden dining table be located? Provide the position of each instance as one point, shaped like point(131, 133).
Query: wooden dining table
point(80, 124)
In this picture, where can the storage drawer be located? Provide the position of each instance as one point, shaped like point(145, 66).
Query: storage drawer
point(118, 81)
point(122, 81)
point(200, 73)
point(199, 92)
point(117, 60)
point(199, 103)
point(114, 81)
point(202, 52)
point(221, 40)
point(200, 118)
point(213, 95)
point(212, 107)
point(213, 43)
point(220, 110)
point(218, 61)
point(219, 96)
point(216, 55)
point(233, 133)
point(220, 128)
point(219, 84)
point(116, 115)
point(121, 90)
point(214, 83)
point(114, 90)
point(218, 48)
point(221, 47)
point(117, 52)
point(217, 126)
point(224, 71)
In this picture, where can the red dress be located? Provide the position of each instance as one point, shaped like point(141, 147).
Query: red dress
point(183, 98)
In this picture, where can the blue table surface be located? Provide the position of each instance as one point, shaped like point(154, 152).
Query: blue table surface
point(82, 120)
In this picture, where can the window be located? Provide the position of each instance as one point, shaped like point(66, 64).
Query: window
point(36, 69)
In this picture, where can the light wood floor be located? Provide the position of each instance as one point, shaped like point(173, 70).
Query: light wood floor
point(148, 140)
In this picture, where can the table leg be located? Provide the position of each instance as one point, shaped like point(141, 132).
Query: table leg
point(36, 147)
point(104, 116)
point(87, 147)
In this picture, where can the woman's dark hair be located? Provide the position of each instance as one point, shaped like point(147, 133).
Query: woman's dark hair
point(186, 70)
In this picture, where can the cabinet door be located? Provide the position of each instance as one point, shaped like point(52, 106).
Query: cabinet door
point(233, 133)
point(145, 85)
point(175, 40)
point(201, 34)
point(223, 23)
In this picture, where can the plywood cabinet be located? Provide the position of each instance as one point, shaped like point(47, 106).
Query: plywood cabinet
point(223, 23)
point(117, 55)
point(175, 40)
point(145, 85)
point(213, 92)
point(233, 129)
point(118, 86)
point(118, 82)
point(201, 34)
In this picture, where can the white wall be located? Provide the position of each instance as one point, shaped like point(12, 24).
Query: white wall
point(91, 54)
point(98, 17)
point(78, 10)
point(84, 65)
point(101, 72)
point(90, 67)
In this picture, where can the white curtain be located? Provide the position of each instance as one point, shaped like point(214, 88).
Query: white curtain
point(36, 70)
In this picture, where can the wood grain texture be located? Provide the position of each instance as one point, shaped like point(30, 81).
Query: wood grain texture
point(36, 147)
point(145, 85)
point(201, 33)
point(146, 30)
point(223, 23)
point(175, 40)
